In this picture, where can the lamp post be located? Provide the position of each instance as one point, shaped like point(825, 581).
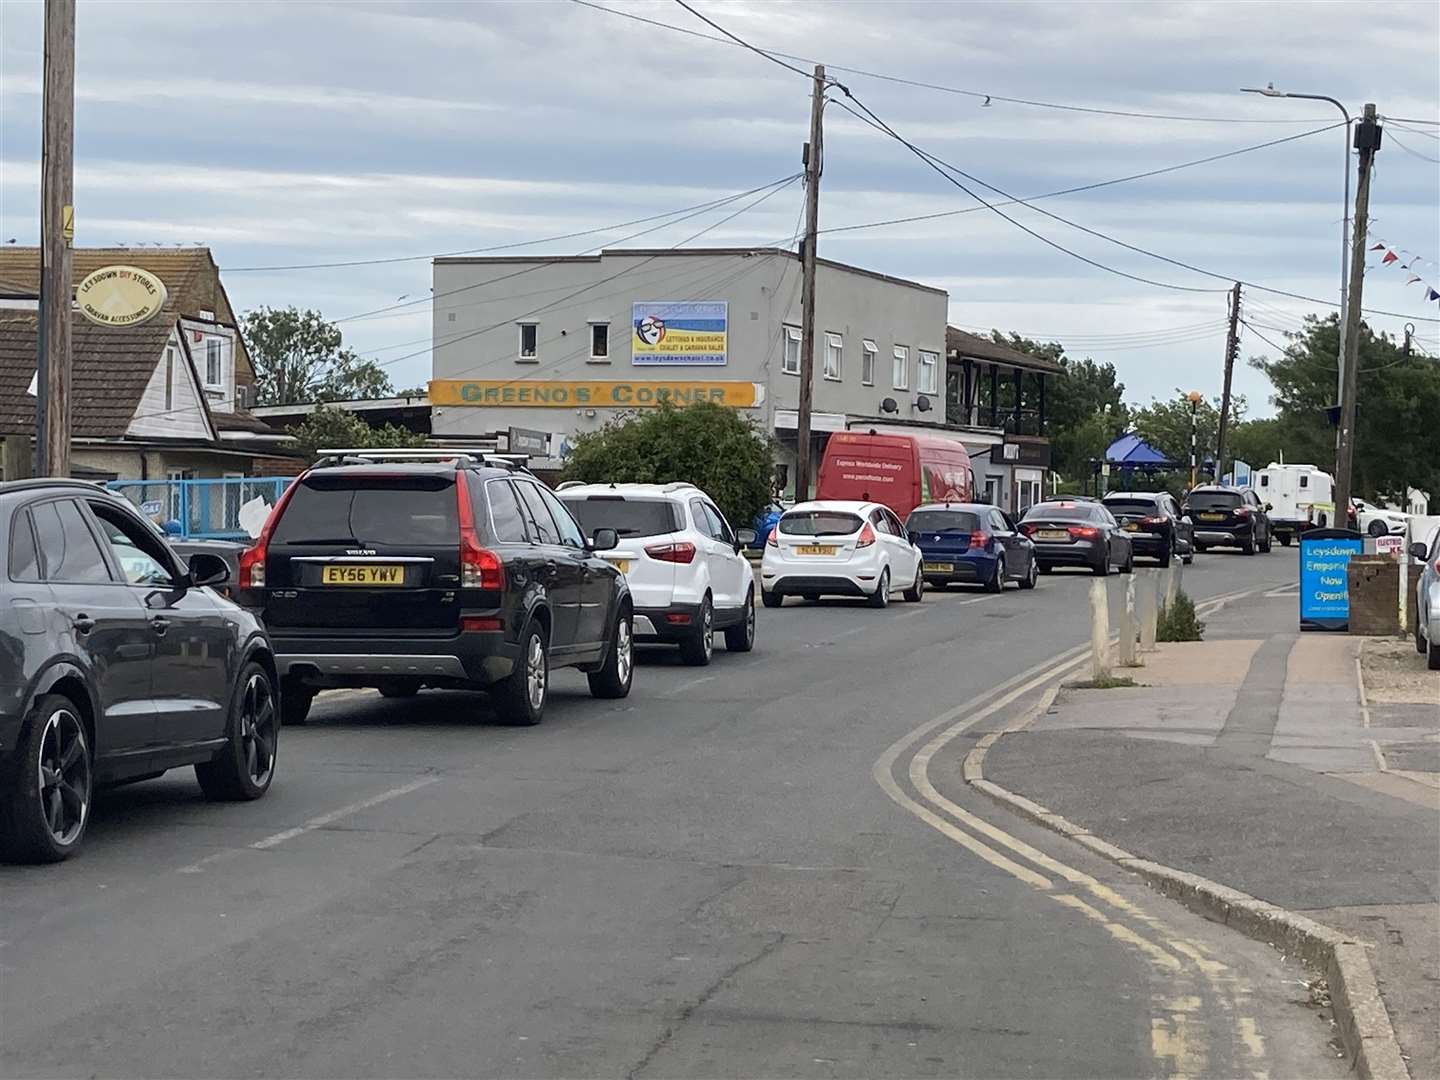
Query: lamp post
point(1270, 91)
point(1194, 397)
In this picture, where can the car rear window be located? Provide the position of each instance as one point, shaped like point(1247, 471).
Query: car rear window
point(365, 511)
point(627, 516)
point(1131, 506)
point(1214, 500)
point(940, 521)
point(819, 523)
point(1063, 511)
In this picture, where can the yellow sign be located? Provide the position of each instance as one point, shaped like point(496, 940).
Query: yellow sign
point(67, 224)
point(120, 296)
point(590, 393)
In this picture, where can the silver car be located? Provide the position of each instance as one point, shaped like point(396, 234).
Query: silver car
point(1427, 599)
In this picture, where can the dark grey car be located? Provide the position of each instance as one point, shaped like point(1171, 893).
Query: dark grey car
point(117, 663)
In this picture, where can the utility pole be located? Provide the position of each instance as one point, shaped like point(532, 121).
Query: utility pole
point(57, 230)
point(1232, 346)
point(1367, 141)
point(813, 155)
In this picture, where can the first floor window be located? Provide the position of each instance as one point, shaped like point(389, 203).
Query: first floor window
point(528, 340)
point(900, 376)
point(791, 362)
point(834, 354)
point(867, 362)
point(169, 377)
point(929, 375)
point(213, 373)
point(599, 341)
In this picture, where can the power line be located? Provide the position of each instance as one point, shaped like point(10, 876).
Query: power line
point(741, 41)
point(1413, 153)
point(935, 162)
point(979, 95)
point(1404, 125)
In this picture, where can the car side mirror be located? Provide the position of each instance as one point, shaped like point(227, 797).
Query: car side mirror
point(1417, 550)
point(205, 569)
point(1269, 506)
point(745, 538)
point(604, 540)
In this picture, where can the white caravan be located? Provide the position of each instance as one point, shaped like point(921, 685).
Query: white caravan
point(1301, 497)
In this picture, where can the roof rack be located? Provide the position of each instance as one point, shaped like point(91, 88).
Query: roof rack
point(460, 455)
point(37, 482)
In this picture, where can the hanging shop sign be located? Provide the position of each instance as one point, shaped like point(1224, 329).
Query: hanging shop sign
point(120, 296)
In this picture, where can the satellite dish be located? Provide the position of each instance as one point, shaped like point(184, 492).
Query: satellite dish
point(889, 405)
point(922, 404)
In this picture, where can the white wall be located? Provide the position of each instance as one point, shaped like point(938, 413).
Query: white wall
point(184, 417)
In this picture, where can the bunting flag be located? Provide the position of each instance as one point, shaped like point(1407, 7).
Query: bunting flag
point(1431, 294)
point(1413, 278)
point(1378, 247)
point(1392, 255)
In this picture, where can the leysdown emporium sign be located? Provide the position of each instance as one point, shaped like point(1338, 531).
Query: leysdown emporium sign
point(120, 296)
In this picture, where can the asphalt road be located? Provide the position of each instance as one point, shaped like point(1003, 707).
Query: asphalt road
point(730, 873)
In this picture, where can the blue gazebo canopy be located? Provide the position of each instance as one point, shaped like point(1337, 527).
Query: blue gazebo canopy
point(1134, 451)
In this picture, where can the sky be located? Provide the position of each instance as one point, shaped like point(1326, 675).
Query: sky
point(294, 133)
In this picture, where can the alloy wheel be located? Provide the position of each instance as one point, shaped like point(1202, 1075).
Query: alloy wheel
point(257, 728)
point(536, 674)
point(64, 777)
point(707, 630)
point(750, 620)
point(624, 650)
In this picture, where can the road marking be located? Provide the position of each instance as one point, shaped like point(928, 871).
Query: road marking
point(312, 824)
point(691, 683)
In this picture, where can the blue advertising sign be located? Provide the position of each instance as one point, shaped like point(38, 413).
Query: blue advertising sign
point(1324, 577)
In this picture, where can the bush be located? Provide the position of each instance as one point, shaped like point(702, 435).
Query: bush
point(1178, 622)
point(708, 445)
point(336, 429)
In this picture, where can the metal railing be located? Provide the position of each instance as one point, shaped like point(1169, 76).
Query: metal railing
point(201, 509)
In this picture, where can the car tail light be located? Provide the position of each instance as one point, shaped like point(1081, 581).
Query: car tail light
point(480, 568)
point(979, 540)
point(867, 536)
point(1027, 529)
point(683, 552)
point(481, 623)
point(1242, 512)
point(252, 559)
point(773, 540)
point(1084, 531)
point(1154, 521)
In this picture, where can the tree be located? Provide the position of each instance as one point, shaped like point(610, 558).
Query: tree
point(705, 444)
point(334, 429)
point(1397, 411)
point(298, 358)
point(1257, 443)
point(1165, 425)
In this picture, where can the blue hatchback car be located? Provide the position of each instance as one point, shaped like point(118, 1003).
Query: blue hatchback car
point(971, 542)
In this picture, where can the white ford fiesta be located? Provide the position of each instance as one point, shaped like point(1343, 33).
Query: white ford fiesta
point(833, 548)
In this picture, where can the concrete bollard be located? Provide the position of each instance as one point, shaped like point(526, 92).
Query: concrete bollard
point(1126, 654)
point(1146, 594)
point(1099, 630)
point(1172, 585)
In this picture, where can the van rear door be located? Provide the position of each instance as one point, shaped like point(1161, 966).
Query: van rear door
point(362, 552)
point(870, 468)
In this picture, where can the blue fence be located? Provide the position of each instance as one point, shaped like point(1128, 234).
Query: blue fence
point(201, 509)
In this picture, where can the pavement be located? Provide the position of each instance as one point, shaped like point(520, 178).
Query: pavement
point(739, 870)
point(1303, 769)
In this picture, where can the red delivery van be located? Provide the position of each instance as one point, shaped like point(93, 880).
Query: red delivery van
point(901, 471)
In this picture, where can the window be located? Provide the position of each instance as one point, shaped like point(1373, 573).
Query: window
point(943, 521)
point(819, 523)
point(600, 341)
point(403, 512)
point(139, 565)
point(529, 333)
point(570, 533)
point(929, 376)
point(834, 355)
point(719, 528)
point(900, 375)
point(867, 362)
point(896, 528)
point(708, 520)
point(627, 516)
point(544, 524)
point(992, 485)
point(24, 560)
point(169, 377)
point(1304, 481)
point(791, 362)
point(214, 376)
point(70, 551)
point(505, 513)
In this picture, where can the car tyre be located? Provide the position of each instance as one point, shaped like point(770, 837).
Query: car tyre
point(1164, 559)
point(44, 814)
point(1267, 545)
point(1103, 568)
point(295, 702)
point(1284, 539)
point(996, 581)
point(1032, 575)
point(1419, 639)
point(1044, 568)
point(519, 698)
point(916, 592)
point(1378, 528)
point(771, 599)
point(1129, 564)
point(618, 672)
point(244, 768)
point(697, 649)
point(1248, 547)
point(1432, 660)
point(881, 596)
point(741, 636)
point(1190, 558)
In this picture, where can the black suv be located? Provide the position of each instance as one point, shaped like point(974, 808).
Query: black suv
point(116, 664)
point(1229, 517)
point(402, 570)
point(1157, 527)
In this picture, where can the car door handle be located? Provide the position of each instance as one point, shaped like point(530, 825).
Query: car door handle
point(551, 568)
point(160, 625)
point(83, 624)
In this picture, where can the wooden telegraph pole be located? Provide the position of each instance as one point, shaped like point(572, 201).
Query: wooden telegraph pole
point(1232, 347)
point(813, 156)
point(57, 230)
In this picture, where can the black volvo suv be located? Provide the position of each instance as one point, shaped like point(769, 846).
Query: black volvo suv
point(399, 570)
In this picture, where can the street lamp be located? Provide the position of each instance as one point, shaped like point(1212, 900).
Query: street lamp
point(1194, 397)
point(1270, 91)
